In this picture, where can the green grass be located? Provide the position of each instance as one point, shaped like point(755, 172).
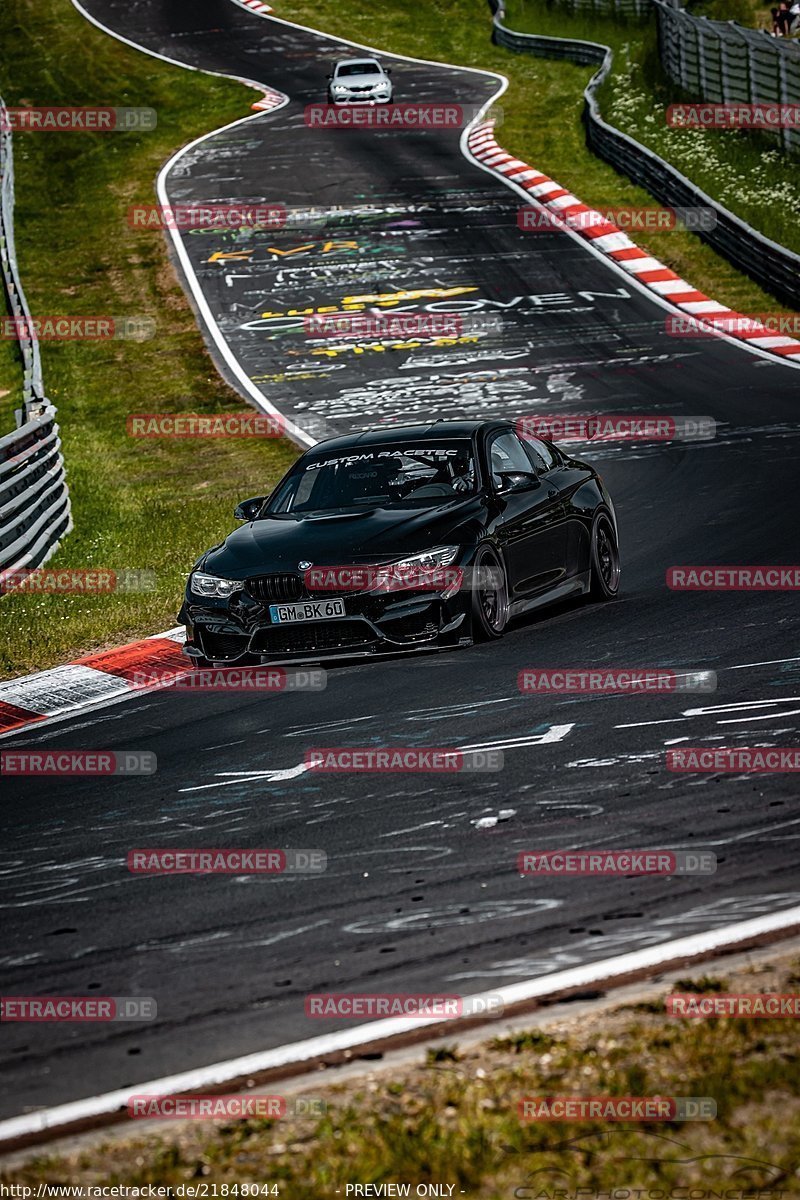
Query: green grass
point(452, 1118)
point(746, 172)
point(137, 504)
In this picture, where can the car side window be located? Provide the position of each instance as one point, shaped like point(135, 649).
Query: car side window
point(540, 454)
point(506, 453)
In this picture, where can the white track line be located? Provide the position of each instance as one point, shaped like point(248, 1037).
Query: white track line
point(350, 1039)
point(261, 401)
point(293, 431)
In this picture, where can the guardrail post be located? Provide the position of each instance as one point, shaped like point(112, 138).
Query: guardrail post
point(699, 49)
point(784, 98)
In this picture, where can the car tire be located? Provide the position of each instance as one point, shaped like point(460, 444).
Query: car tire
point(604, 565)
point(489, 596)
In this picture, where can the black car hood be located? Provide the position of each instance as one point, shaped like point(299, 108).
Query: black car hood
point(329, 539)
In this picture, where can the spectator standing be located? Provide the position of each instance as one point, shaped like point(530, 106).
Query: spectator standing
point(782, 19)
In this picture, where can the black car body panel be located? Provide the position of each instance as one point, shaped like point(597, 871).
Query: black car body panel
point(538, 520)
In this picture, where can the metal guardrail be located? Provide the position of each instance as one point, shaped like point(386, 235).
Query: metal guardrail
point(724, 62)
point(773, 267)
point(34, 502)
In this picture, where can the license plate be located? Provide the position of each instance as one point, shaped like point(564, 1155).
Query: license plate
point(312, 610)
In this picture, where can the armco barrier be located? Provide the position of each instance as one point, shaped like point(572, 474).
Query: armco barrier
point(774, 267)
point(34, 501)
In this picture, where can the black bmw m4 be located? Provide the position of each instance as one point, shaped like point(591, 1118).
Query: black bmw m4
point(399, 539)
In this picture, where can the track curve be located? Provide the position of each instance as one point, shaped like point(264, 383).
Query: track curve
point(421, 891)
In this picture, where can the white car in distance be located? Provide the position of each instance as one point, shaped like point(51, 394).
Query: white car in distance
point(359, 81)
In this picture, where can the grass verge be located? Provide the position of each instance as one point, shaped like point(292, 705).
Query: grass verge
point(452, 1119)
point(745, 171)
point(141, 504)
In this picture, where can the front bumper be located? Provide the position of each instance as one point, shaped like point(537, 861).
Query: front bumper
point(341, 101)
point(243, 633)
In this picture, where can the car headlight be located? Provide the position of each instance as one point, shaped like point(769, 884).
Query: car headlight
point(212, 585)
point(339, 89)
point(442, 556)
point(422, 572)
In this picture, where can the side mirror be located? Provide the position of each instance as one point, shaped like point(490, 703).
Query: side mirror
point(387, 70)
point(329, 76)
point(248, 510)
point(517, 481)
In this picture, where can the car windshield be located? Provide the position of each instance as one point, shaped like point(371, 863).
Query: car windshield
point(358, 68)
point(385, 476)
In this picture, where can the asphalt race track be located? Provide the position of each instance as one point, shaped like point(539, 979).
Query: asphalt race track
point(421, 891)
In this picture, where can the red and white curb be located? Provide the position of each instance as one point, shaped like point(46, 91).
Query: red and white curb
point(612, 242)
point(257, 6)
point(88, 682)
point(270, 100)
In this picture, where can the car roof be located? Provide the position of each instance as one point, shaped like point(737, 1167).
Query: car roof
point(344, 62)
point(430, 431)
